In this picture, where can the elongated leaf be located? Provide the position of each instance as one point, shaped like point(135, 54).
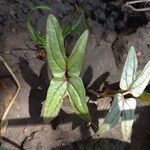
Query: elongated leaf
point(55, 47)
point(75, 60)
point(113, 115)
point(77, 98)
point(129, 70)
point(40, 40)
point(70, 28)
point(35, 36)
point(128, 107)
point(145, 97)
point(54, 99)
point(40, 7)
point(141, 82)
point(2, 148)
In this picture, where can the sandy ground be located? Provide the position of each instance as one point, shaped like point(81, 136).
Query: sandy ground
point(103, 63)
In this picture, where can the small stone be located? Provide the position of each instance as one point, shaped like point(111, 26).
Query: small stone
point(13, 29)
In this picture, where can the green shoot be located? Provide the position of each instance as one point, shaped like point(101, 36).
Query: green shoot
point(123, 107)
point(65, 71)
point(75, 27)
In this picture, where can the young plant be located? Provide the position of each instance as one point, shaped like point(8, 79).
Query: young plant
point(34, 36)
point(71, 27)
point(65, 71)
point(124, 103)
point(80, 23)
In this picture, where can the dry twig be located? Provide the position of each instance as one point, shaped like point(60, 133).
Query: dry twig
point(129, 4)
point(3, 122)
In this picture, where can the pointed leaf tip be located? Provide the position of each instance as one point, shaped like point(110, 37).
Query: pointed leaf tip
point(76, 58)
point(129, 70)
point(141, 81)
point(55, 47)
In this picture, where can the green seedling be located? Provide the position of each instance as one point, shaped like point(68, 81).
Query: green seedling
point(65, 71)
point(72, 27)
point(79, 24)
point(76, 27)
point(132, 86)
point(34, 36)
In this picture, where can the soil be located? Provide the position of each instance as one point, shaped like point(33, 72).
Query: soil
point(113, 29)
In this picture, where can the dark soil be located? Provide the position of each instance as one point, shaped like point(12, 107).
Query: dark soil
point(113, 29)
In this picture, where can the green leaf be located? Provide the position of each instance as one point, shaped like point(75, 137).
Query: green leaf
point(2, 148)
point(35, 37)
point(113, 115)
point(75, 60)
point(55, 94)
point(55, 47)
point(145, 97)
point(77, 97)
point(129, 70)
point(40, 40)
point(128, 107)
point(70, 28)
point(141, 81)
point(67, 29)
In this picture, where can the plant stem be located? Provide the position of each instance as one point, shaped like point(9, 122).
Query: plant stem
point(95, 126)
point(106, 93)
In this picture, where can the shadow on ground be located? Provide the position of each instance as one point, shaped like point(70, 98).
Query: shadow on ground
point(95, 144)
point(38, 89)
point(38, 84)
point(141, 130)
point(140, 138)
